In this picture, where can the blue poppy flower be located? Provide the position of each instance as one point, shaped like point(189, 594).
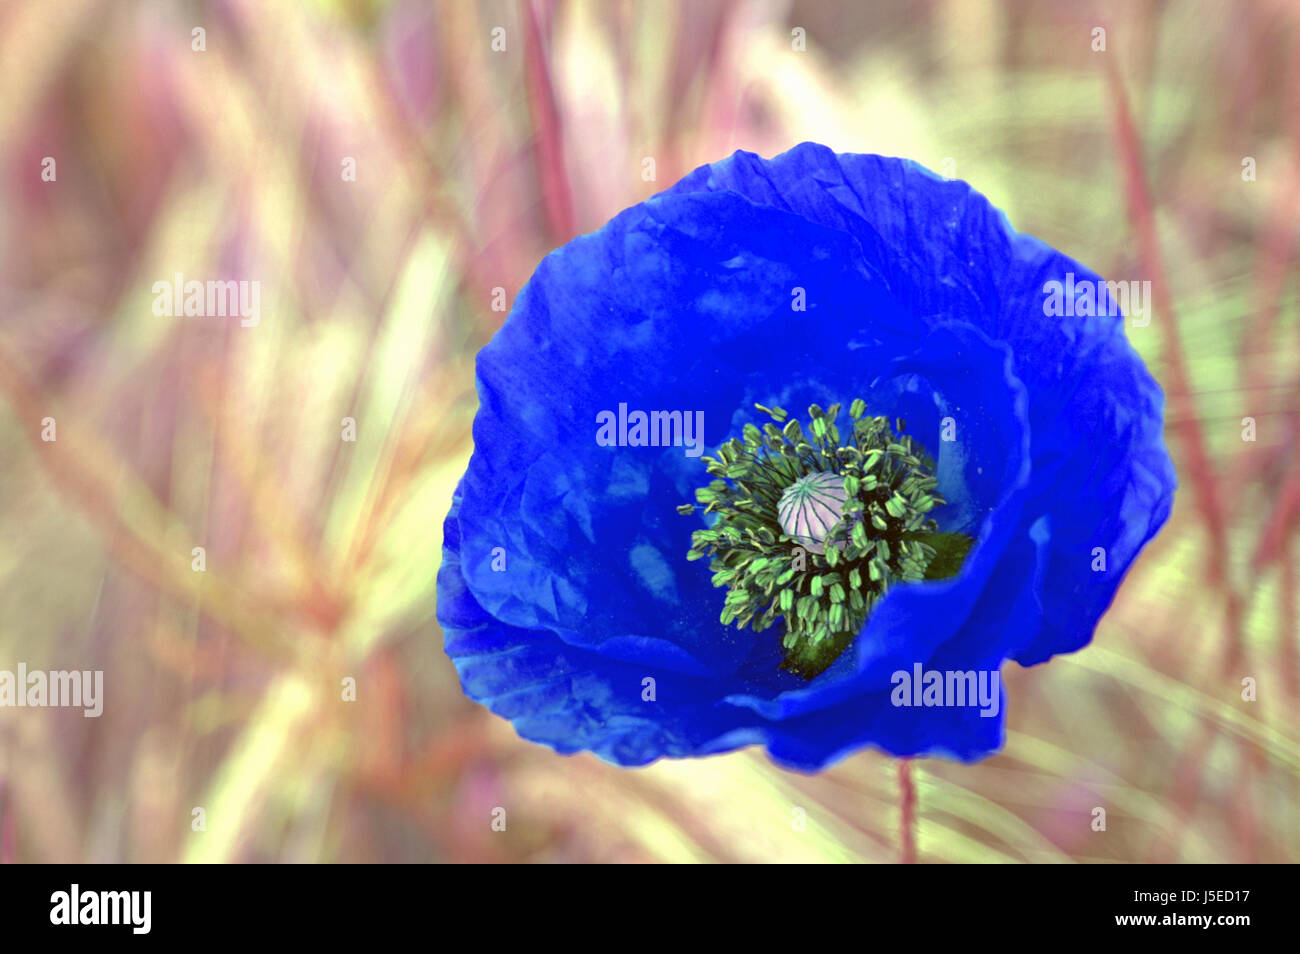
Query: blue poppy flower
point(998, 468)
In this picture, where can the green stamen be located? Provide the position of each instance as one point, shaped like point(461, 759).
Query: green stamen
point(814, 531)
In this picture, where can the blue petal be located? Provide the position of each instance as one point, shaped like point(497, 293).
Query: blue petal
point(569, 698)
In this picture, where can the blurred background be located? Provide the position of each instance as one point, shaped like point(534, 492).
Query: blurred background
point(382, 170)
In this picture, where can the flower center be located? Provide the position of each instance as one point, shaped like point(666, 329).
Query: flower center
point(814, 530)
point(811, 508)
